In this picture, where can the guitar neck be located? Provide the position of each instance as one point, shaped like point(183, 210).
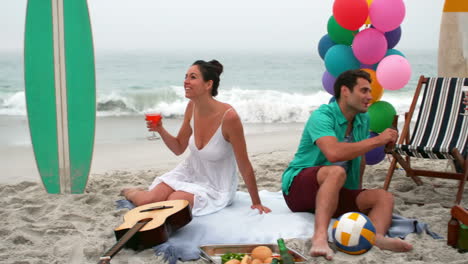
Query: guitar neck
point(105, 259)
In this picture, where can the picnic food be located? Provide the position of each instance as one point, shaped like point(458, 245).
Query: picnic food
point(225, 258)
point(258, 261)
point(233, 261)
point(259, 255)
point(246, 260)
point(262, 253)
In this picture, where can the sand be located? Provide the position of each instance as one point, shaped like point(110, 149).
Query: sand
point(37, 227)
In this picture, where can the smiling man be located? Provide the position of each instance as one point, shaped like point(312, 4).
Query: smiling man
point(325, 175)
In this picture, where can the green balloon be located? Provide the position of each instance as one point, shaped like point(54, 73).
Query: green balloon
point(381, 116)
point(339, 34)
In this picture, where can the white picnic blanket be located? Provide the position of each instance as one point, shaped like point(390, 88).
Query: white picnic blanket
point(239, 224)
point(236, 224)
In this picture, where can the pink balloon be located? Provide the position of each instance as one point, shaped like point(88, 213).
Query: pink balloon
point(393, 72)
point(387, 15)
point(369, 46)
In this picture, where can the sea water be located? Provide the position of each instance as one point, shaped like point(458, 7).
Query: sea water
point(265, 88)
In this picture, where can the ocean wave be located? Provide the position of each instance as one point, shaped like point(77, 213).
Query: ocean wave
point(253, 106)
point(13, 104)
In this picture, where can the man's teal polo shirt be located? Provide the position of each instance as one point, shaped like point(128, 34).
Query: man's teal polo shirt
point(327, 120)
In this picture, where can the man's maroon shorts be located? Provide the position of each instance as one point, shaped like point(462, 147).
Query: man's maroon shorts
point(304, 188)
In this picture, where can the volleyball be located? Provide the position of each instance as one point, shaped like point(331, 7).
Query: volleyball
point(353, 233)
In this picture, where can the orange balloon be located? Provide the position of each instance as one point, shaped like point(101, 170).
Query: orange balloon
point(368, 22)
point(377, 89)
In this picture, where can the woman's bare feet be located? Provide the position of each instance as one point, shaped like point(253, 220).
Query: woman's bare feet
point(392, 244)
point(128, 191)
point(320, 247)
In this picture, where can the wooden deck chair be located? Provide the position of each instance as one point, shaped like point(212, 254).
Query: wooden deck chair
point(440, 132)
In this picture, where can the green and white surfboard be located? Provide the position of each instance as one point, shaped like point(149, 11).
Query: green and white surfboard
point(60, 91)
point(453, 42)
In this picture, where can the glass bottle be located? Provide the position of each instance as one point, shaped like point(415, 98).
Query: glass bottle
point(462, 244)
point(452, 232)
point(286, 257)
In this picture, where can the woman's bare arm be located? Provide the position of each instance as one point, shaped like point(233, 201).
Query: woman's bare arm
point(179, 143)
point(232, 128)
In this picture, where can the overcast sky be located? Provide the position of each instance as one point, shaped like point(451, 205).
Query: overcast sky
point(219, 24)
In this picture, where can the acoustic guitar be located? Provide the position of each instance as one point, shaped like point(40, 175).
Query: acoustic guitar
point(149, 225)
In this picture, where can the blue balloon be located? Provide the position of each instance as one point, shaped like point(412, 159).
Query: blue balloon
point(325, 43)
point(394, 52)
point(376, 155)
point(340, 58)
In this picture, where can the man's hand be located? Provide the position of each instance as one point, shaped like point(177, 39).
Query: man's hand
point(388, 136)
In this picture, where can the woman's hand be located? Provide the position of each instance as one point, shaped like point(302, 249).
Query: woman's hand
point(152, 126)
point(262, 209)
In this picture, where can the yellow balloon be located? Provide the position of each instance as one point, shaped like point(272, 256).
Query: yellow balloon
point(368, 22)
point(377, 89)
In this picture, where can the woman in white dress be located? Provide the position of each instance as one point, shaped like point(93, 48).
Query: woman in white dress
point(213, 132)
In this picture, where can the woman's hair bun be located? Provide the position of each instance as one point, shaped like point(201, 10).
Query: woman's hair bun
point(210, 71)
point(217, 65)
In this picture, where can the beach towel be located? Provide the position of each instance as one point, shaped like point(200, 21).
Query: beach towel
point(238, 224)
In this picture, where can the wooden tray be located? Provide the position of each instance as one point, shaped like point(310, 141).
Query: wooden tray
point(212, 253)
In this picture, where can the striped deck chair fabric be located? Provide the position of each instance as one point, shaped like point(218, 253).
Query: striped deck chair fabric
point(440, 125)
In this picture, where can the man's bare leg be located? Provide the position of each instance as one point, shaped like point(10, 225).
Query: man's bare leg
point(140, 197)
point(330, 179)
point(380, 203)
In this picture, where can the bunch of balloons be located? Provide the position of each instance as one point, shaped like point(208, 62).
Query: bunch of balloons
point(362, 34)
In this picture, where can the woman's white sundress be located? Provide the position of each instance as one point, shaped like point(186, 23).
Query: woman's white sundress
point(209, 173)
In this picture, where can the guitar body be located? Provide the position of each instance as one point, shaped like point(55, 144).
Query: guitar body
point(163, 222)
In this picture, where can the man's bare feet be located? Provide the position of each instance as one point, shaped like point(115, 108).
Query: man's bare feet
point(392, 244)
point(320, 248)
